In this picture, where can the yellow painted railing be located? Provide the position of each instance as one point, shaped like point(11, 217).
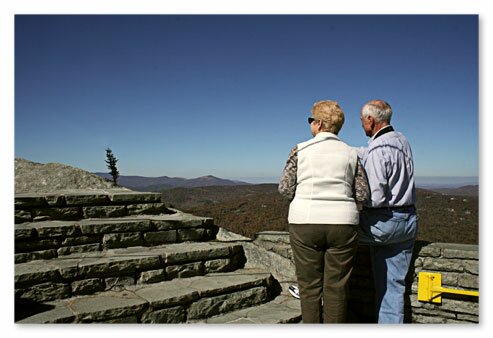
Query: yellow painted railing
point(430, 288)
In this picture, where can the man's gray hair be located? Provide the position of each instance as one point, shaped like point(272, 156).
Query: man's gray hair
point(379, 109)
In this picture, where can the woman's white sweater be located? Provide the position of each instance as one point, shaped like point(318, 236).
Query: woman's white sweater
point(324, 190)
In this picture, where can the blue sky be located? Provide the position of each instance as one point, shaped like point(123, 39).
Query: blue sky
point(193, 95)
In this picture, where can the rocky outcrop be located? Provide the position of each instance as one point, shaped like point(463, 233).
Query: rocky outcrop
point(32, 177)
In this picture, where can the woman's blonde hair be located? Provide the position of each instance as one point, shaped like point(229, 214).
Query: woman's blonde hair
point(330, 114)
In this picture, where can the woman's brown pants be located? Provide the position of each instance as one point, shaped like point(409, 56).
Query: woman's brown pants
point(324, 256)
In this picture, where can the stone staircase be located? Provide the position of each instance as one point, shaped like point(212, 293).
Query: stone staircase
point(118, 256)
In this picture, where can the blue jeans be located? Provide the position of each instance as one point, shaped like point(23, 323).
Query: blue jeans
point(391, 235)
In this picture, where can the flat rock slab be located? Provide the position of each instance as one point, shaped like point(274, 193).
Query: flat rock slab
point(79, 204)
point(283, 309)
point(46, 229)
point(273, 236)
point(53, 228)
point(143, 300)
point(107, 305)
point(176, 220)
point(122, 224)
point(84, 197)
point(224, 235)
point(117, 261)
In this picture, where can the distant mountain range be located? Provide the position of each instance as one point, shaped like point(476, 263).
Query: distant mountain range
point(142, 183)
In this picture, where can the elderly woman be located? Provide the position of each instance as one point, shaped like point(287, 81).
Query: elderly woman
point(327, 186)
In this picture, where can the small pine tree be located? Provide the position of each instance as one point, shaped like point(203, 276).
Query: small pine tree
point(111, 164)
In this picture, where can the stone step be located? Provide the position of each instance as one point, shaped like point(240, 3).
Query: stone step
point(78, 204)
point(87, 273)
point(51, 239)
point(176, 301)
point(83, 197)
point(258, 256)
point(275, 241)
point(282, 310)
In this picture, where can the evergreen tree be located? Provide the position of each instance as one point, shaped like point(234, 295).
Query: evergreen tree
point(111, 164)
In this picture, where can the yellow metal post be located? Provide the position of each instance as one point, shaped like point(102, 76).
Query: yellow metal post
point(430, 288)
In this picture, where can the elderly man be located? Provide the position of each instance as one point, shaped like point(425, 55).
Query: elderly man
point(389, 222)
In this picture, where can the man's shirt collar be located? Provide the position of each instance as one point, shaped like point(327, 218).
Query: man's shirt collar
point(382, 131)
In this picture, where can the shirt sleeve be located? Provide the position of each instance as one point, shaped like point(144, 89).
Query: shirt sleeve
point(361, 151)
point(361, 188)
point(287, 185)
point(376, 169)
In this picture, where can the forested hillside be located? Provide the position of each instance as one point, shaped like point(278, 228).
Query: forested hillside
point(249, 209)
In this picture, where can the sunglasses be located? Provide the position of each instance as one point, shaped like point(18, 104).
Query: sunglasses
point(310, 120)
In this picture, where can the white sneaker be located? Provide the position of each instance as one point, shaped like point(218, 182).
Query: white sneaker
point(294, 291)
